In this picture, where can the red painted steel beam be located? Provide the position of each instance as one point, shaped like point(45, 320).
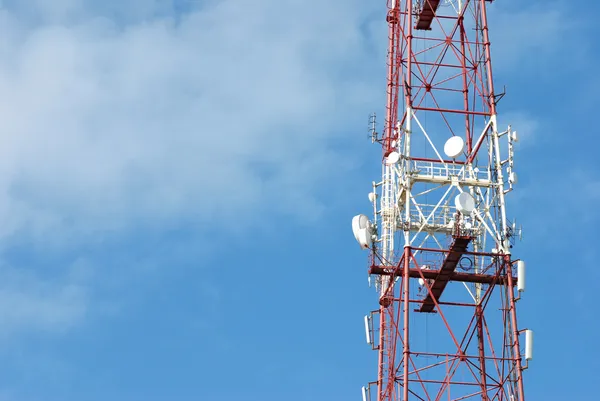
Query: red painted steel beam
point(414, 248)
point(448, 382)
point(456, 276)
point(470, 112)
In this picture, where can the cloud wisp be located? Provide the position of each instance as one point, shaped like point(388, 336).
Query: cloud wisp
point(109, 126)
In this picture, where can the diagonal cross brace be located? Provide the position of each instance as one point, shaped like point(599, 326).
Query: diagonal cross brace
point(458, 247)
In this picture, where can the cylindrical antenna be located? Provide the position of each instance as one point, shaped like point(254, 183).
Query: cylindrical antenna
point(521, 276)
point(529, 345)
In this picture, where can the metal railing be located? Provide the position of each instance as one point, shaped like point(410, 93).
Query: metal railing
point(434, 169)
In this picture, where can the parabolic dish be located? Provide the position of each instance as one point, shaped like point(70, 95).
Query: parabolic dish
point(393, 158)
point(454, 146)
point(359, 222)
point(364, 238)
point(464, 203)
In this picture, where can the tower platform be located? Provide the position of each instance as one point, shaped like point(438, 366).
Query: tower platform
point(458, 247)
point(426, 14)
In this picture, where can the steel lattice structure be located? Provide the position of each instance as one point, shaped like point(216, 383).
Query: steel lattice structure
point(446, 327)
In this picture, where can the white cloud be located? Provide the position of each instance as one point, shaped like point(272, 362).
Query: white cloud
point(216, 116)
point(105, 127)
point(212, 116)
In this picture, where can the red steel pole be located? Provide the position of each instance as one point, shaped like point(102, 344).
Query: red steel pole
point(406, 295)
point(515, 329)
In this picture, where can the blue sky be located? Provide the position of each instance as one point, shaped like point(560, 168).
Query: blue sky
point(177, 181)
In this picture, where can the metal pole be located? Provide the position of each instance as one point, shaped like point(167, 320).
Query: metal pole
point(406, 295)
point(480, 340)
point(515, 330)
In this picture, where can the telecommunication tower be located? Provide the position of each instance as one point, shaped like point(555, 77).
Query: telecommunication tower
point(441, 238)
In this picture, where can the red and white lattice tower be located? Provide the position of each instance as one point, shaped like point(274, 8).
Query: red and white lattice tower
point(441, 238)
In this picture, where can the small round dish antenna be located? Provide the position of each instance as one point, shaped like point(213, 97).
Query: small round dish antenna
point(454, 146)
point(464, 203)
point(393, 158)
point(372, 197)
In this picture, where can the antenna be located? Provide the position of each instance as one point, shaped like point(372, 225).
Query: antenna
point(514, 231)
point(454, 147)
point(368, 329)
point(362, 230)
point(528, 345)
point(365, 395)
point(373, 128)
point(464, 203)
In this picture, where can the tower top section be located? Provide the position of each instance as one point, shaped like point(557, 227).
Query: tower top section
point(439, 66)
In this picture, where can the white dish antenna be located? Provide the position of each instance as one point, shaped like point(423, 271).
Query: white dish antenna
point(393, 158)
point(359, 222)
point(361, 228)
point(364, 238)
point(372, 197)
point(454, 146)
point(464, 203)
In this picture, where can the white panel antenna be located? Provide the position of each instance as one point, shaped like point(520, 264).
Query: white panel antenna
point(521, 276)
point(529, 345)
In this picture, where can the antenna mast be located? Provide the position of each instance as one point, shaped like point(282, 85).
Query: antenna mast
point(440, 240)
